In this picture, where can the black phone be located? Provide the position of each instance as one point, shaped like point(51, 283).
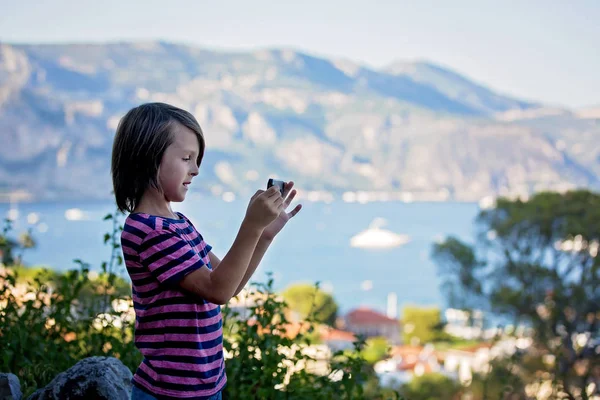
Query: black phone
point(279, 184)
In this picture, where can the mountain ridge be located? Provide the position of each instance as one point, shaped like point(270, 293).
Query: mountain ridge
point(328, 124)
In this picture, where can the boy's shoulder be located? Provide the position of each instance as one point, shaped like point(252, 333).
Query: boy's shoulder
point(154, 224)
point(141, 229)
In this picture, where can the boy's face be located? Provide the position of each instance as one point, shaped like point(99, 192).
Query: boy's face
point(178, 165)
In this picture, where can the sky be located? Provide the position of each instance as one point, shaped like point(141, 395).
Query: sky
point(545, 51)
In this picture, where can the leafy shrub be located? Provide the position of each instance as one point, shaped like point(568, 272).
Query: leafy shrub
point(49, 321)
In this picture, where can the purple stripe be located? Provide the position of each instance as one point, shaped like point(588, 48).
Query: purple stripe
point(137, 271)
point(146, 288)
point(194, 263)
point(167, 258)
point(203, 246)
point(139, 225)
point(184, 352)
point(165, 244)
point(129, 250)
point(179, 322)
point(179, 337)
point(166, 294)
point(137, 265)
point(131, 237)
point(137, 275)
point(181, 380)
point(171, 294)
point(193, 234)
point(181, 307)
point(187, 366)
point(179, 394)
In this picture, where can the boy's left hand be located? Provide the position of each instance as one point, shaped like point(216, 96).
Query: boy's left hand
point(276, 226)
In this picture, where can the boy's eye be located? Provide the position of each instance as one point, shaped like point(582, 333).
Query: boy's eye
point(187, 159)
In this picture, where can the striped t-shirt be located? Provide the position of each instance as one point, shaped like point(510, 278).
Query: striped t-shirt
point(179, 334)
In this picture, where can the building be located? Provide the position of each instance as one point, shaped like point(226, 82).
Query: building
point(464, 324)
point(370, 323)
point(405, 363)
point(336, 339)
point(462, 363)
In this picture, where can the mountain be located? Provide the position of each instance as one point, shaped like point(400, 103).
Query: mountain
point(457, 87)
point(329, 125)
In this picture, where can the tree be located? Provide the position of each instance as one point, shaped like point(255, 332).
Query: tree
point(376, 349)
point(308, 300)
point(536, 262)
point(6, 251)
point(420, 324)
point(9, 246)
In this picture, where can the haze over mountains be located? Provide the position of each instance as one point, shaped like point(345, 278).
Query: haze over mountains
point(329, 125)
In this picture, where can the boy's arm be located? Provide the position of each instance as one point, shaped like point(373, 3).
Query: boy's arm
point(259, 252)
point(220, 285)
point(266, 237)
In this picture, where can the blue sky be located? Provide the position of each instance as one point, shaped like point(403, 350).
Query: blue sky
point(546, 51)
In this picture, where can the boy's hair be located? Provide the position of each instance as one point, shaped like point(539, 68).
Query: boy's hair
point(142, 137)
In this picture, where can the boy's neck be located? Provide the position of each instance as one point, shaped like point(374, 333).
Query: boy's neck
point(155, 204)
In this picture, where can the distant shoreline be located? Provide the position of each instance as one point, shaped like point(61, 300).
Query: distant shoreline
point(312, 196)
point(8, 201)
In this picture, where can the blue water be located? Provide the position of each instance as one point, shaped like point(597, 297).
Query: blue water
point(315, 246)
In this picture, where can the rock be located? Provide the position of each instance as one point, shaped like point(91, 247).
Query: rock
point(10, 387)
point(91, 378)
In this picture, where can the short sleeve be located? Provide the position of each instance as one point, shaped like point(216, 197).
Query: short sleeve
point(201, 245)
point(169, 257)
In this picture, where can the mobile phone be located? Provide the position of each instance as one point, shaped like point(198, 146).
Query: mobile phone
point(279, 184)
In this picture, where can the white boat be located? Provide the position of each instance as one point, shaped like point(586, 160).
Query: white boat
point(377, 238)
point(75, 214)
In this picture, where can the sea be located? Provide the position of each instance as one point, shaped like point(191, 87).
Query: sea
point(315, 246)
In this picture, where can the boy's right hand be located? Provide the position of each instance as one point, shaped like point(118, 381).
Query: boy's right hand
point(264, 207)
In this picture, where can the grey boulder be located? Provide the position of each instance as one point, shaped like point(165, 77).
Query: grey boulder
point(10, 387)
point(91, 378)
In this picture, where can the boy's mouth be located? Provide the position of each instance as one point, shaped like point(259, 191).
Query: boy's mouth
point(186, 184)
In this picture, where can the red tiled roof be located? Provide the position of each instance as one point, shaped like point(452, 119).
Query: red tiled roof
point(476, 347)
point(366, 316)
point(412, 366)
point(336, 334)
point(289, 330)
point(405, 351)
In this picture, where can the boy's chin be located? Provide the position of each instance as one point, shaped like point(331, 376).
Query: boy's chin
point(177, 198)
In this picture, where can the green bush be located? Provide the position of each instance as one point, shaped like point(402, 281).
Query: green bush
point(431, 386)
point(49, 321)
point(421, 325)
point(309, 300)
point(376, 349)
point(270, 359)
